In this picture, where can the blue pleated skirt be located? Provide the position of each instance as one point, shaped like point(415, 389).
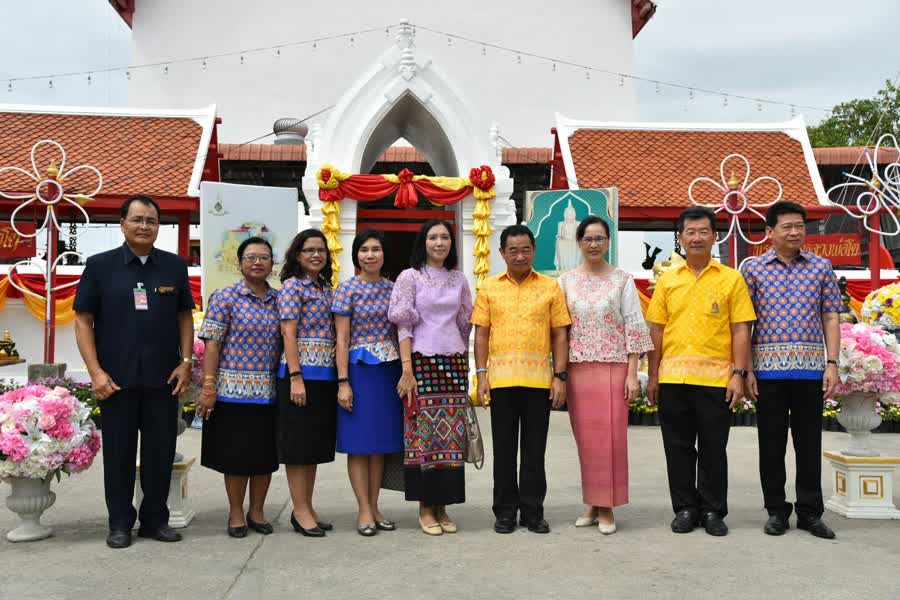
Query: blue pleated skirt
point(375, 425)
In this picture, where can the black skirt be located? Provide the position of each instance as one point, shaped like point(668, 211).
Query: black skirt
point(239, 439)
point(307, 434)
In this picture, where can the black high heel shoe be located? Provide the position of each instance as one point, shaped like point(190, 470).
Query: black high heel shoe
point(262, 528)
point(311, 532)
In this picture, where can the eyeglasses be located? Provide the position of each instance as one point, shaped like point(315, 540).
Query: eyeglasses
point(256, 258)
point(138, 221)
point(594, 240)
point(311, 251)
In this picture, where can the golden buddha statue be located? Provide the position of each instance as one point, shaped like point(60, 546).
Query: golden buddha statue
point(8, 347)
point(662, 266)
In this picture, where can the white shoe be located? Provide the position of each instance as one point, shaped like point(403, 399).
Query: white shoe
point(586, 521)
point(606, 528)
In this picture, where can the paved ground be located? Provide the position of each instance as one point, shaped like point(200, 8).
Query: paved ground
point(643, 560)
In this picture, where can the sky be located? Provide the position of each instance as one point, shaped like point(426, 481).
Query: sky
point(803, 52)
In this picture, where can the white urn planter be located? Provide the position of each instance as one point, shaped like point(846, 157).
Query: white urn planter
point(29, 499)
point(859, 418)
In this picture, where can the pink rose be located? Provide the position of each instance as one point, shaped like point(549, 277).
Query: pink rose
point(46, 422)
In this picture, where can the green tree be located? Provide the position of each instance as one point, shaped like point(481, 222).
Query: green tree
point(856, 122)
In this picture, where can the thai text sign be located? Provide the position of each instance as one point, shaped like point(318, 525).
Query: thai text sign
point(839, 248)
point(12, 245)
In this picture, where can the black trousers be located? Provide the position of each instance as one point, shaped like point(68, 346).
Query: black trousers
point(153, 412)
point(519, 412)
point(796, 404)
point(695, 421)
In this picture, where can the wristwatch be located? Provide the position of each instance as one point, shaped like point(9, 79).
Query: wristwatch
point(831, 361)
point(740, 372)
point(562, 376)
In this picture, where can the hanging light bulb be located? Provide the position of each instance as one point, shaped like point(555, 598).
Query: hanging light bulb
point(725, 102)
point(128, 75)
point(553, 68)
point(203, 64)
point(657, 87)
point(759, 107)
point(793, 111)
point(242, 59)
point(9, 86)
point(484, 50)
point(387, 32)
point(691, 95)
point(519, 58)
point(449, 42)
point(89, 79)
point(278, 53)
point(587, 74)
point(621, 81)
point(166, 70)
point(50, 84)
point(315, 46)
point(352, 41)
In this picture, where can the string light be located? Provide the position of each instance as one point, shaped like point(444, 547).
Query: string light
point(128, 75)
point(793, 111)
point(51, 84)
point(166, 70)
point(387, 32)
point(449, 42)
point(203, 64)
point(315, 46)
point(242, 59)
point(587, 74)
point(484, 50)
point(553, 68)
point(519, 58)
point(621, 81)
point(759, 106)
point(352, 41)
point(89, 79)
point(691, 95)
point(725, 102)
point(278, 53)
point(9, 87)
point(657, 87)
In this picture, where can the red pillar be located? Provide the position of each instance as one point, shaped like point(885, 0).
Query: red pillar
point(184, 235)
point(50, 278)
point(874, 222)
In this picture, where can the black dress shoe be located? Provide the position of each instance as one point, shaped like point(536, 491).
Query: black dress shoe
point(263, 528)
point(311, 532)
point(385, 525)
point(817, 527)
point(118, 538)
point(163, 534)
point(505, 525)
point(685, 521)
point(714, 525)
point(537, 525)
point(366, 530)
point(776, 525)
point(324, 525)
point(237, 532)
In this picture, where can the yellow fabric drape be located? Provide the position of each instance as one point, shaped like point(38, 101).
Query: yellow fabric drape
point(331, 227)
point(645, 302)
point(4, 285)
point(64, 312)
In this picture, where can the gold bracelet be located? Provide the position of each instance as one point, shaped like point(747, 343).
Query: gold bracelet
point(209, 378)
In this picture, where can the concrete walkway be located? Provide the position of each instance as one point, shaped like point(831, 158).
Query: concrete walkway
point(643, 560)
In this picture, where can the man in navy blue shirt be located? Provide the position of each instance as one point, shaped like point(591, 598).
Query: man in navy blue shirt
point(135, 332)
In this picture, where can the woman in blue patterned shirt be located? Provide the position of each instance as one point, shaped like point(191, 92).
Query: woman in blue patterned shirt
point(241, 334)
point(307, 386)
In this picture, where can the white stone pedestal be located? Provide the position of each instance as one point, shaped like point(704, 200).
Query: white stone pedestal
point(862, 486)
point(181, 511)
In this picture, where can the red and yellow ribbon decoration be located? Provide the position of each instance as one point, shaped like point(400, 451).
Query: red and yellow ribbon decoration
point(335, 186)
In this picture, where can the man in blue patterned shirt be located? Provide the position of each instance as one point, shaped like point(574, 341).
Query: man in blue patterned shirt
point(797, 301)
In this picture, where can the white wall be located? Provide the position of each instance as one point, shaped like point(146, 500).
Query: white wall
point(521, 98)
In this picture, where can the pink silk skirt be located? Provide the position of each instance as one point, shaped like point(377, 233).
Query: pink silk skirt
point(599, 416)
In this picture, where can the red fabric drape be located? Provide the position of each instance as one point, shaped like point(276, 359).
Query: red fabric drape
point(35, 283)
point(439, 195)
point(365, 188)
point(196, 292)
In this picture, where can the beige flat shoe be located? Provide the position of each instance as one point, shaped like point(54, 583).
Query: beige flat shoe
point(448, 526)
point(606, 528)
point(435, 529)
point(583, 521)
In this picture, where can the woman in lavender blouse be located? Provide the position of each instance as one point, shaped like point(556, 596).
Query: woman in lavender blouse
point(432, 306)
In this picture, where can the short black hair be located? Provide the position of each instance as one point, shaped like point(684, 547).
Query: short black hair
point(419, 255)
point(513, 231)
point(252, 240)
point(145, 200)
point(785, 207)
point(361, 238)
point(695, 213)
point(587, 222)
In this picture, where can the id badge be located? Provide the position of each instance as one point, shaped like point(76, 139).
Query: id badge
point(140, 297)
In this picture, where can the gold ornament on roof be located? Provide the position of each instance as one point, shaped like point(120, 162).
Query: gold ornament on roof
point(733, 182)
point(53, 170)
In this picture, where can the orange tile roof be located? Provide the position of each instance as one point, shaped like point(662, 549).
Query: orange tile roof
point(653, 168)
point(853, 155)
point(272, 152)
point(135, 155)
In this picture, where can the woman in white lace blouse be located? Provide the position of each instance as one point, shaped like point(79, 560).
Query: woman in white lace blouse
point(607, 336)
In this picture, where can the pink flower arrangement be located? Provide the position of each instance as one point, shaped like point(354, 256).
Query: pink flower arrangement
point(45, 431)
point(869, 360)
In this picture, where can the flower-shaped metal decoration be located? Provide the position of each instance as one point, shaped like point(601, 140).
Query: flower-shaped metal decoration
point(49, 192)
point(735, 198)
point(880, 194)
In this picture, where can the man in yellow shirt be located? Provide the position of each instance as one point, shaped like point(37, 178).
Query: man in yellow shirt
point(700, 319)
point(519, 316)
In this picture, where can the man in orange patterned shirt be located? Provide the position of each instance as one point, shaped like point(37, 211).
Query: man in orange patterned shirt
point(519, 316)
point(700, 319)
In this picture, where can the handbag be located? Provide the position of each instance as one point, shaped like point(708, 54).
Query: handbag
point(474, 443)
point(392, 478)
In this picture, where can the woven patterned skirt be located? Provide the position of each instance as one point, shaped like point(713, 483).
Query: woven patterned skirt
point(434, 431)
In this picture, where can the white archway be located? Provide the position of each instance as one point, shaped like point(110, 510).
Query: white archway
point(404, 95)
